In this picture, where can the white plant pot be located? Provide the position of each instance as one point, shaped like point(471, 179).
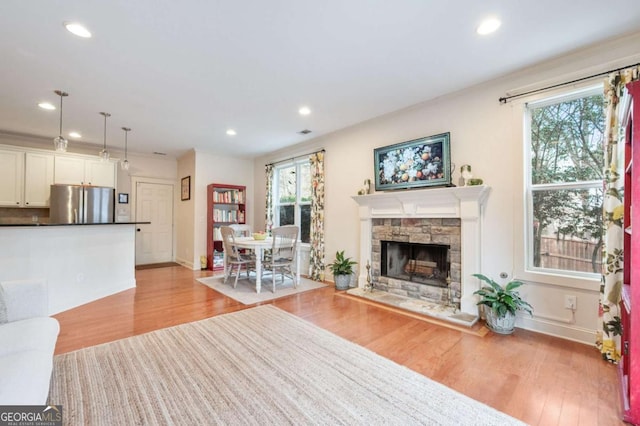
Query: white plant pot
point(501, 325)
point(342, 281)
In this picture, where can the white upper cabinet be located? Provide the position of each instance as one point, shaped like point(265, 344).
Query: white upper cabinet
point(69, 170)
point(26, 175)
point(11, 181)
point(100, 173)
point(38, 178)
point(83, 171)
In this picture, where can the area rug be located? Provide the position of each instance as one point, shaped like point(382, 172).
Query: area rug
point(245, 292)
point(256, 366)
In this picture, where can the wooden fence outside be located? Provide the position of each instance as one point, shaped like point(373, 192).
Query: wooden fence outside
point(568, 255)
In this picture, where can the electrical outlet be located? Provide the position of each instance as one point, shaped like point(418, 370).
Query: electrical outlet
point(570, 302)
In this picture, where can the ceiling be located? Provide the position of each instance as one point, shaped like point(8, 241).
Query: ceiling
point(180, 73)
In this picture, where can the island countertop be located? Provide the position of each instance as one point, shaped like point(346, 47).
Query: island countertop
point(32, 224)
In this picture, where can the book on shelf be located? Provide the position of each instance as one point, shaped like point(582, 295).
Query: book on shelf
point(229, 196)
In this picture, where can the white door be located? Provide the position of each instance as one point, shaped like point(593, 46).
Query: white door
point(154, 242)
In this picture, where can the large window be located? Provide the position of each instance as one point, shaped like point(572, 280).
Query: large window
point(292, 200)
point(564, 183)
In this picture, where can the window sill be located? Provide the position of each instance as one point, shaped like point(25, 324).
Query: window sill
point(549, 278)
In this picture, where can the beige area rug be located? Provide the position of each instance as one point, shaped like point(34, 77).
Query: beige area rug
point(245, 292)
point(260, 366)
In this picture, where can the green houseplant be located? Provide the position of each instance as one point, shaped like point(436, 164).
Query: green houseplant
point(501, 304)
point(342, 268)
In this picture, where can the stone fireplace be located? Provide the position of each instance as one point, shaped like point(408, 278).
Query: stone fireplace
point(417, 257)
point(423, 244)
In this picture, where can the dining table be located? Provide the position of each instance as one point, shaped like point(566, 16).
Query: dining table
point(258, 247)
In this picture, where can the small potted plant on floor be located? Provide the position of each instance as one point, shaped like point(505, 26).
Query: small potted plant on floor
point(501, 304)
point(342, 268)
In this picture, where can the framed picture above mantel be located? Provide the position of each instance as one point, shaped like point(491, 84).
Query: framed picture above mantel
point(416, 163)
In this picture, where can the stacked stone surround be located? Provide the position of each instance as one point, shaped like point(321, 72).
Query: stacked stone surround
point(424, 231)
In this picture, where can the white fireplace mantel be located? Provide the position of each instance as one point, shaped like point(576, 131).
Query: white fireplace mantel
point(464, 202)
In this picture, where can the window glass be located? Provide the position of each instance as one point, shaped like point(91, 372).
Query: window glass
point(292, 188)
point(305, 182)
point(565, 147)
point(286, 184)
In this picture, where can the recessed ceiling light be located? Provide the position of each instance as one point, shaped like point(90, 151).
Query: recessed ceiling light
point(77, 29)
point(231, 132)
point(75, 135)
point(46, 105)
point(488, 26)
point(304, 111)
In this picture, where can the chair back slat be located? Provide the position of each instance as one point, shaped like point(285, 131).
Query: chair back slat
point(229, 243)
point(285, 239)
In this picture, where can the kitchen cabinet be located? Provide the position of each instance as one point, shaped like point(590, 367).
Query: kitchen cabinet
point(11, 177)
point(84, 171)
point(38, 178)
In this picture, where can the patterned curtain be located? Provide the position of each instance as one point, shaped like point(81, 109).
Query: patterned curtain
point(316, 256)
point(268, 169)
point(608, 338)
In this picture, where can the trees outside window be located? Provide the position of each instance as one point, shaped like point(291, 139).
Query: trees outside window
point(292, 202)
point(564, 184)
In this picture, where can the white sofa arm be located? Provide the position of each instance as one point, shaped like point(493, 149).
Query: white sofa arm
point(25, 299)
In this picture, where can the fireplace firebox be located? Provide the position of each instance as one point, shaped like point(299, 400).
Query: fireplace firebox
point(420, 263)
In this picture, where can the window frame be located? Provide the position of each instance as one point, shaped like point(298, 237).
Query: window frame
point(557, 276)
point(298, 203)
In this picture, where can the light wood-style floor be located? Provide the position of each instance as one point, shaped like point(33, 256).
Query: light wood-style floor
point(538, 379)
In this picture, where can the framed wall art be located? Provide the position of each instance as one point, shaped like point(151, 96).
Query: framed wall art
point(413, 164)
point(185, 188)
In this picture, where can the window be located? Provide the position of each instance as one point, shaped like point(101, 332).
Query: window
point(564, 184)
point(292, 200)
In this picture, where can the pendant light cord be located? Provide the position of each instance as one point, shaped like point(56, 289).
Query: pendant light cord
point(61, 96)
point(104, 145)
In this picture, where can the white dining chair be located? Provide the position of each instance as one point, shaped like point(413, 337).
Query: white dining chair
point(283, 253)
point(234, 256)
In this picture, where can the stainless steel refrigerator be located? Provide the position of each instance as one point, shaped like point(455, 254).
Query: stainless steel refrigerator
point(81, 204)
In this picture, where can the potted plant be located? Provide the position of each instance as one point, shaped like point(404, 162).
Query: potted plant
point(342, 268)
point(501, 304)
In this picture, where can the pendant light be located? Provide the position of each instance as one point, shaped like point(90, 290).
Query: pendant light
point(60, 143)
point(125, 163)
point(104, 154)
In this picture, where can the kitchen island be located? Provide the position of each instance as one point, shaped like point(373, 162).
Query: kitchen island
point(79, 262)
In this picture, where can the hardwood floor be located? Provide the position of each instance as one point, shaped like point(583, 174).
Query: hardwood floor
point(538, 379)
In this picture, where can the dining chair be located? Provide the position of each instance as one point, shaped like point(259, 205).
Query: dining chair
point(233, 255)
point(283, 253)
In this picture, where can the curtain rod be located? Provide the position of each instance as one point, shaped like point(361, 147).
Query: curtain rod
point(294, 158)
point(504, 99)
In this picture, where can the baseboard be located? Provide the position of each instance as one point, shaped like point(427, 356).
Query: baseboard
point(563, 331)
point(188, 264)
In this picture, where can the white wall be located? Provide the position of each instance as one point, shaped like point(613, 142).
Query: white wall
point(185, 213)
point(489, 137)
point(206, 168)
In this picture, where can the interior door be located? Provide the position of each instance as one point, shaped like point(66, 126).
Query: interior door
point(154, 242)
